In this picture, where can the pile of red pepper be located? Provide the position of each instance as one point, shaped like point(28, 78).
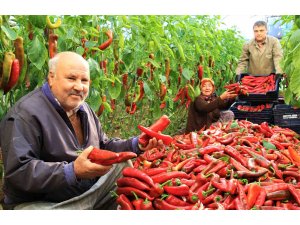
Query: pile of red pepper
point(257, 108)
point(237, 165)
point(259, 85)
point(237, 88)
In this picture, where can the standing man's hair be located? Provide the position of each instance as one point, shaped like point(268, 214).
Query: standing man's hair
point(260, 23)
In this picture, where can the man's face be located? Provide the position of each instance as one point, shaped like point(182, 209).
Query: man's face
point(207, 88)
point(260, 33)
point(70, 82)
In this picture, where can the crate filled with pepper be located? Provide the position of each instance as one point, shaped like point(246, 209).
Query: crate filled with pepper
point(260, 88)
point(254, 112)
point(287, 116)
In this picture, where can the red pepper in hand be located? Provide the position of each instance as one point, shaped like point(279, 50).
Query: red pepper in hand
point(100, 156)
point(123, 156)
point(161, 124)
point(167, 140)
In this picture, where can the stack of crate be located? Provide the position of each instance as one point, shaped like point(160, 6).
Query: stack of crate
point(253, 102)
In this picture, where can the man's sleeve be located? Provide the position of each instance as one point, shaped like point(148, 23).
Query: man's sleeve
point(243, 61)
point(277, 56)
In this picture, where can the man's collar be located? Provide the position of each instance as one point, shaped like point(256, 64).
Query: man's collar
point(47, 91)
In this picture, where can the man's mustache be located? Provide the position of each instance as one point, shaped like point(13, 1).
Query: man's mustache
point(81, 94)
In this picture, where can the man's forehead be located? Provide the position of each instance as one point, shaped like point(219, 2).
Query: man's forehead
point(259, 28)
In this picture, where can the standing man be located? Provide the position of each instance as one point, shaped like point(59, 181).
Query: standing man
point(262, 55)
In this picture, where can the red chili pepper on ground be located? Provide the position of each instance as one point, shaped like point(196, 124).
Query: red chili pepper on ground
point(295, 193)
point(163, 205)
point(261, 198)
point(163, 177)
point(182, 190)
point(253, 192)
point(294, 155)
point(133, 172)
point(147, 205)
point(129, 192)
point(124, 202)
point(132, 182)
point(278, 195)
point(173, 200)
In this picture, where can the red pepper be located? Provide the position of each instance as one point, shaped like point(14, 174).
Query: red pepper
point(161, 124)
point(173, 200)
point(137, 202)
point(165, 138)
point(100, 156)
point(276, 187)
point(133, 172)
point(200, 72)
point(278, 195)
point(147, 205)
point(107, 43)
point(124, 202)
point(294, 155)
point(52, 45)
point(295, 193)
point(156, 191)
point(184, 146)
point(129, 192)
point(251, 174)
point(122, 157)
point(235, 154)
point(132, 182)
point(210, 149)
point(163, 177)
point(153, 171)
point(241, 197)
point(252, 195)
point(182, 190)
point(163, 205)
point(14, 76)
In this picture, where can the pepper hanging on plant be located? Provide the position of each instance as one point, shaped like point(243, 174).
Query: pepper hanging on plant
point(14, 76)
point(52, 45)
point(51, 25)
point(9, 57)
point(108, 42)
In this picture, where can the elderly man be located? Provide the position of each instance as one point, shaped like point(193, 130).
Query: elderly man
point(40, 137)
point(262, 55)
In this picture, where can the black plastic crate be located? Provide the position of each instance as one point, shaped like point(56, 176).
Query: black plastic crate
point(295, 128)
point(270, 96)
point(254, 117)
point(287, 116)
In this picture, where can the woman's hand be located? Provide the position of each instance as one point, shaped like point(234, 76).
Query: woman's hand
point(228, 95)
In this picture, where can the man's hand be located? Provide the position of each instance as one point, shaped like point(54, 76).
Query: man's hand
point(85, 169)
point(153, 143)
